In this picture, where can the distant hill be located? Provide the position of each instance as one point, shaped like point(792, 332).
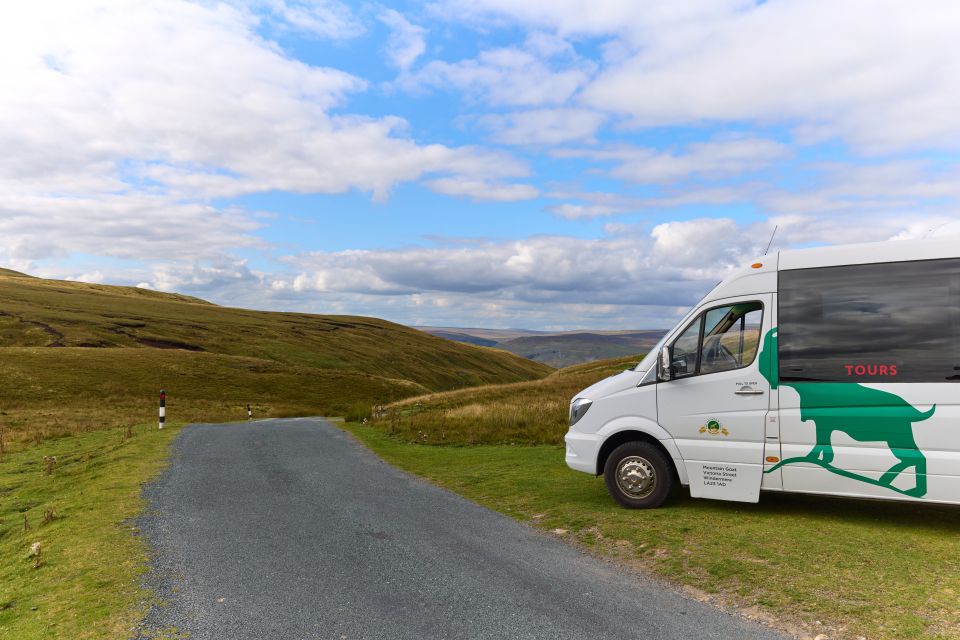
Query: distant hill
point(496, 335)
point(458, 336)
point(79, 356)
point(557, 349)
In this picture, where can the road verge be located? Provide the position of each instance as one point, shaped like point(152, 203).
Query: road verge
point(76, 496)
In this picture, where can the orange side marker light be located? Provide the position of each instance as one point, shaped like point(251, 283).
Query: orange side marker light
point(773, 459)
point(757, 265)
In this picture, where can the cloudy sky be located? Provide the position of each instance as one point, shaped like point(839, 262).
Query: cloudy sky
point(535, 163)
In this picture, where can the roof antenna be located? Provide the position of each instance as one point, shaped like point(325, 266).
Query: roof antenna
point(935, 228)
point(775, 227)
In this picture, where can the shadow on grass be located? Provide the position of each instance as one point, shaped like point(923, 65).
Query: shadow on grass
point(835, 509)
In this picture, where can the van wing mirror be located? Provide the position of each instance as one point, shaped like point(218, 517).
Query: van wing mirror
point(665, 369)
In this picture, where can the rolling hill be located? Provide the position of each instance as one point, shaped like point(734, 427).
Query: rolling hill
point(77, 356)
point(561, 349)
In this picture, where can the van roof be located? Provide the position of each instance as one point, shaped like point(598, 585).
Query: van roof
point(761, 275)
point(872, 252)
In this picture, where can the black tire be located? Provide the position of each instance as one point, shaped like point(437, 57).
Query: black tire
point(639, 475)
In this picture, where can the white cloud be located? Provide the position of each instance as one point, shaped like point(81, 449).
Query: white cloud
point(701, 244)
point(320, 18)
point(223, 276)
point(634, 276)
point(544, 71)
point(192, 98)
point(670, 264)
point(578, 211)
point(482, 190)
point(119, 120)
point(921, 187)
point(544, 126)
point(882, 76)
point(406, 42)
point(598, 18)
point(591, 204)
point(798, 230)
point(136, 227)
point(721, 157)
point(829, 192)
point(539, 269)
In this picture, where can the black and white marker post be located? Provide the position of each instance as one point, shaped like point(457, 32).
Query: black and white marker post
point(163, 407)
point(249, 413)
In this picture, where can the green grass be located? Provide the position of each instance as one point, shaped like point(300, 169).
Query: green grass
point(80, 362)
point(88, 582)
point(532, 412)
point(55, 392)
point(75, 356)
point(873, 569)
point(38, 312)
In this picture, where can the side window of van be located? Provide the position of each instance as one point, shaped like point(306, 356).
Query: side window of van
point(730, 337)
point(720, 339)
point(686, 350)
point(883, 322)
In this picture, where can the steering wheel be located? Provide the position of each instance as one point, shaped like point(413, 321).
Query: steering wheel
point(716, 353)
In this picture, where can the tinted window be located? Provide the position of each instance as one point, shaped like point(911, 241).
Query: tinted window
point(893, 322)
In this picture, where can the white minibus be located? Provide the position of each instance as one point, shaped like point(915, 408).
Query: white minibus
point(832, 370)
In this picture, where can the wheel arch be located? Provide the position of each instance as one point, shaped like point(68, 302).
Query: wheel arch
point(622, 436)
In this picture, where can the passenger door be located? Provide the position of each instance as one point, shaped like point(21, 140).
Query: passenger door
point(716, 404)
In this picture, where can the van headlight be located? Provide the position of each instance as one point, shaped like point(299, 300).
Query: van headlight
point(577, 408)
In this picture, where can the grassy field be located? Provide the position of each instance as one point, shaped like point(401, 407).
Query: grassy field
point(56, 392)
point(81, 362)
point(533, 412)
point(841, 568)
point(86, 584)
point(76, 356)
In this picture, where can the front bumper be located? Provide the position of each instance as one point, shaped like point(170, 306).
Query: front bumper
point(582, 450)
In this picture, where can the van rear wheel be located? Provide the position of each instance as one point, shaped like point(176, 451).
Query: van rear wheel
point(638, 475)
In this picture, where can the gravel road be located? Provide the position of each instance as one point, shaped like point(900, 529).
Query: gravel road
point(289, 529)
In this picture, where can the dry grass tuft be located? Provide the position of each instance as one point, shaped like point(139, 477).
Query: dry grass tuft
point(520, 413)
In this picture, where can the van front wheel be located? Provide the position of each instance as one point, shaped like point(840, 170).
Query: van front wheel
point(638, 475)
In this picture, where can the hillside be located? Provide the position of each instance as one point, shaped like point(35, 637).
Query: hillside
point(557, 349)
point(459, 336)
point(532, 412)
point(566, 349)
point(77, 356)
point(492, 335)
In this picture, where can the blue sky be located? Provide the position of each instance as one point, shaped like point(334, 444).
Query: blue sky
point(546, 165)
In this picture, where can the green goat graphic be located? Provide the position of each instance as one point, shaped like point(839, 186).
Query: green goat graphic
point(863, 413)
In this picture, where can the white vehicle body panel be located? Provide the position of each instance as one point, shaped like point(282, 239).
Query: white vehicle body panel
point(726, 463)
point(869, 438)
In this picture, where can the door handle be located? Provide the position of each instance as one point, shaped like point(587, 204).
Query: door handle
point(748, 391)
